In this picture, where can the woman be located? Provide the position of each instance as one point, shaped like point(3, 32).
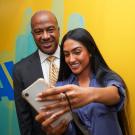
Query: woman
point(97, 92)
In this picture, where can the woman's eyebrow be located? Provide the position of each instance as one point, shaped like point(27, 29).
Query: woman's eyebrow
point(73, 49)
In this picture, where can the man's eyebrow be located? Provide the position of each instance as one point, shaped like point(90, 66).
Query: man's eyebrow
point(38, 28)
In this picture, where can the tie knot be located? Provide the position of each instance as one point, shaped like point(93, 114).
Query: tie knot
point(51, 58)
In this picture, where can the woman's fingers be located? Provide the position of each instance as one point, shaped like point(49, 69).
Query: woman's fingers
point(54, 106)
point(77, 97)
point(47, 122)
point(60, 97)
point(54, 94)
point(61, 128)
point(53, 118)
point(42, 116)
point(47, 98)
point(55, 90)
point(63, 102)
point(57, 130)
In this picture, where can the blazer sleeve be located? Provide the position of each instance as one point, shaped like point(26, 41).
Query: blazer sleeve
point(22, 108)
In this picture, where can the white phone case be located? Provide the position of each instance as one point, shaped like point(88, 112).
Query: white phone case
point(30, 93)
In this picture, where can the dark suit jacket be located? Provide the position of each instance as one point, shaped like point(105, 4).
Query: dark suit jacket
point(25, 73)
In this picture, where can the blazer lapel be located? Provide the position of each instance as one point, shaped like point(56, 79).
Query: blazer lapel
point(36, 66)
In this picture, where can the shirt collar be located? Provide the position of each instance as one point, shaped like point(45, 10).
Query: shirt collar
point(44, 56)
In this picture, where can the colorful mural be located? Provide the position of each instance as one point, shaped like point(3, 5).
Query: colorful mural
point(110, 22)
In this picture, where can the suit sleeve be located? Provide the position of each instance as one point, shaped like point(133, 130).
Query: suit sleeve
point(22, 108)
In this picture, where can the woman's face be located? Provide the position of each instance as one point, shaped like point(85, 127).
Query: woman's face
point(76, 56)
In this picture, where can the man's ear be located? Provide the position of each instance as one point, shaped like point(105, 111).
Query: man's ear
point(59, 30)
point(32, 33)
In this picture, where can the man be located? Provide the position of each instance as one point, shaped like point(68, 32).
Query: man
point(45, 31)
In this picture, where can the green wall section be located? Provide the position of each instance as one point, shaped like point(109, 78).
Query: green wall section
point(8, 123)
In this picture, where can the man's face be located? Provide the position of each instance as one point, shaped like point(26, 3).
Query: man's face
point(45, 31)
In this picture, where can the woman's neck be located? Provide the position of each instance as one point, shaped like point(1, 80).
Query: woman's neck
point(84, 78)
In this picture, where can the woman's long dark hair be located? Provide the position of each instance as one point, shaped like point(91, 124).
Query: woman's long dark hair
point(98, 65)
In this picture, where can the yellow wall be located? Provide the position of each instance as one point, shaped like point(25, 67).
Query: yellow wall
point(111, 22)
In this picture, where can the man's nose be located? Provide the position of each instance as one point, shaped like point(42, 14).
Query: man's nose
point(45, 35)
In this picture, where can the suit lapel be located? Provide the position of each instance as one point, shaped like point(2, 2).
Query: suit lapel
point(36, 66)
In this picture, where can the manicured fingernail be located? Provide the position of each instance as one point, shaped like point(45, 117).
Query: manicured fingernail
point(38, 99)
point(39, 94)
point(42, 108)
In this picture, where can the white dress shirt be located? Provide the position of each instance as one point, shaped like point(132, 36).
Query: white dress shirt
point(45, 62)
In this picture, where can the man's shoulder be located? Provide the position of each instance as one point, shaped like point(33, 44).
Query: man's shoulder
point(25, 61)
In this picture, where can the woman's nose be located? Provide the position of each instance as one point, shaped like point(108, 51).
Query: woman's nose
point(71, 58)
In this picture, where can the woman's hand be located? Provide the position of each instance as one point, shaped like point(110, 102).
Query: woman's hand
point(78, 96)
point(46, 119)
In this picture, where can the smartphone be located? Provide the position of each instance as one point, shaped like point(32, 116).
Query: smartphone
point(30, 93)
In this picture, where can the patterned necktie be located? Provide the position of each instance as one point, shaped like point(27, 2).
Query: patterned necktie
point(53, 70)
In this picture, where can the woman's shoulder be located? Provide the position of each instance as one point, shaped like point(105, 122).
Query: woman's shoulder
point(70, 80)
point(60, 83)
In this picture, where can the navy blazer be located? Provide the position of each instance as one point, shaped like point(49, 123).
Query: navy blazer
point(25, 73)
